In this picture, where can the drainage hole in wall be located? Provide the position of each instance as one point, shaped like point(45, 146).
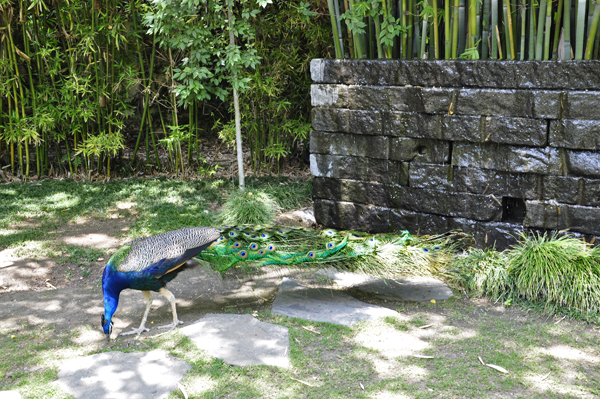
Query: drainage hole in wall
point(513, 210)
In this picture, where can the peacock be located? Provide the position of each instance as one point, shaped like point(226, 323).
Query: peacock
point(147, 264)
point(386, 255)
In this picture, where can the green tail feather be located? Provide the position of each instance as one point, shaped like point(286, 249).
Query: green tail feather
point(388, 255)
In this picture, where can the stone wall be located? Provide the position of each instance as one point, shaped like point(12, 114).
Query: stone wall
point(485, 147)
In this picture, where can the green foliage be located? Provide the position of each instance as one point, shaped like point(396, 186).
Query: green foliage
point(469, 29)
point(249, 207)
point(557, 271)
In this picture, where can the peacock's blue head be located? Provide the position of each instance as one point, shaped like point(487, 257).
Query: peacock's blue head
point(107, 326)
point(111, 290)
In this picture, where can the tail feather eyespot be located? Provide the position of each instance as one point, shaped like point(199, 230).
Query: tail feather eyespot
point(311, 255)
point(254, 246)
point(271, 247)
point(330, 245)
point(243, 254)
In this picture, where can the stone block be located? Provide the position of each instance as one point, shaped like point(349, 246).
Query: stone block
point(349, 167)
point(497, 234)
point(553, 75)
point(542, 160)
point(350, 216)
point(579, 218)
point(420, 150)
point(475, 181)
point(412, 124)
point(385, 98)
point(583, 163)
point(349, 144)
point(541, 214)
point(398, 173)
point(350, 191)
point(582, 105)
point(329, 95)
point(439, 100)
point(546, 104)
point(348, 121)
point(471, 206)
point(578, 134)
point(481, 74)
point(572, 190)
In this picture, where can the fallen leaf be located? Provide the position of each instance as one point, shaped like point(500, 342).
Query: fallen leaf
point(362, 386)
point(432, 301)
point(500, 369)
point(303, 382)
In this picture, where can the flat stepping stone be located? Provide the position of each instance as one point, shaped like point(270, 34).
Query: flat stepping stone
point(116, 375)
point(241, 340)
point(402, 289)
point(326, 305)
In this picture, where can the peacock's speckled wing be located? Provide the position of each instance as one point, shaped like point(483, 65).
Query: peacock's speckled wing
point(172, 248)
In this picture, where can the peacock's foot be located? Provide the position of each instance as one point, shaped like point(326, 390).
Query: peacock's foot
point(137, 331)
point(172, 325)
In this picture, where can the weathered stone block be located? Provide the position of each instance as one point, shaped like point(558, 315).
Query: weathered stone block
point(472, 206)
point(346, 120)
point(420, 150)
point(497, 234)
point(349, 144)
point(543, 160)
point(385, 98)
point(329, 95)
point(439, 100)
point(412, 124)
point(582, 105)
point(350, 191)
point(578, 134)
point(398, 173)
point(552, 215)
point(350, 216)
point(546, 104)
point(572, 190)
point(541, 214)
point(475, 181)
point(349, 167)
point(566, 75)
point(583, 163)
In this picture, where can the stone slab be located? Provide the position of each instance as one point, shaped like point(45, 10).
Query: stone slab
point(241, 340)
point(403, 289)
point(118, 375)
point(324, 305)
point(10, 395)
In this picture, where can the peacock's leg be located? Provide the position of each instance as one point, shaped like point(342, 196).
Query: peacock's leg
point(142, 327)
point(171, 298)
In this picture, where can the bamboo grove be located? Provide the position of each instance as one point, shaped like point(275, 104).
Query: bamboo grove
point(466, 29)
point(97, 86)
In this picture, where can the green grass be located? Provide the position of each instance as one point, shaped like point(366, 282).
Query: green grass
point(34, 211)
point(335, 361)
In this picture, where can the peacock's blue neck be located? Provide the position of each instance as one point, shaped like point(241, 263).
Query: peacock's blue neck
point(113, 282)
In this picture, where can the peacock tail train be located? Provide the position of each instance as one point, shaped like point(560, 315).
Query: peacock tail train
point(387, 255)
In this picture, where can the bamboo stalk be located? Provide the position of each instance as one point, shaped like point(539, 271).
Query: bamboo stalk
point(557, 30)
point(580, 29)
point(447, 37)
point(455, 23)
point(547, 33)
point(495, 33)
point(336, 43)
point(567, 27)
point(592, 32)
point(539, 49)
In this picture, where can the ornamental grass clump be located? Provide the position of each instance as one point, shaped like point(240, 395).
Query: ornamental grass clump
point(482, 272)
point(249, 207)
point(557, 270)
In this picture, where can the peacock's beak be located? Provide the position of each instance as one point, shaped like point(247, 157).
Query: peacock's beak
point(108, 338)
